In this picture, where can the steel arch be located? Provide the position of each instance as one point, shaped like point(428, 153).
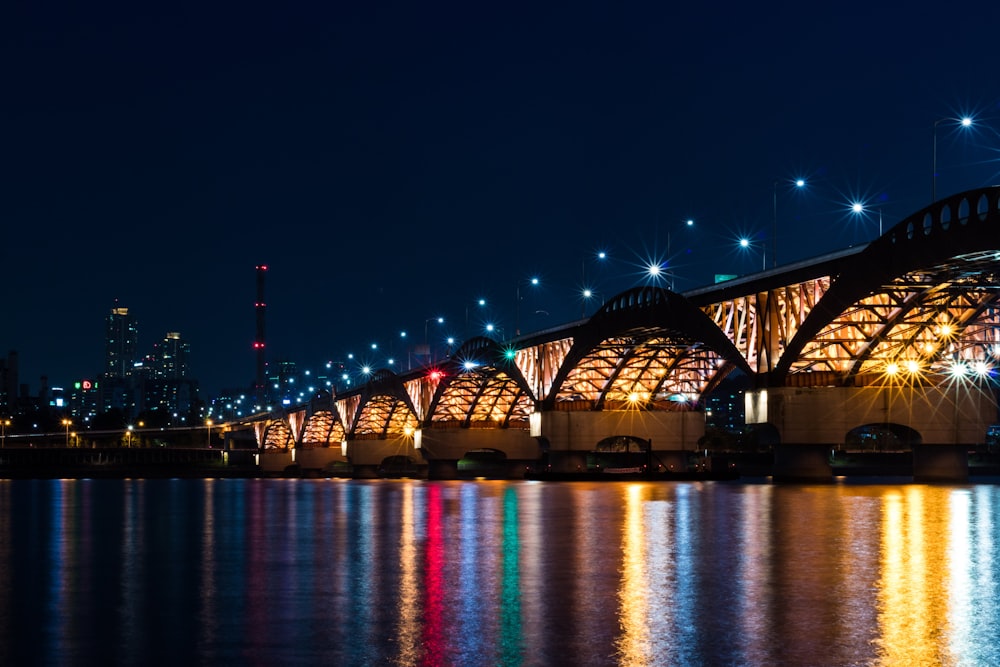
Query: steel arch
point(646, 341)
point(926, 292)
point(481, 384)
point(384, 408)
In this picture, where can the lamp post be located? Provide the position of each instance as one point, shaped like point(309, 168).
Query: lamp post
point(585, 289)
point(745, 243)
point(965, 121)
point(128, 435)
point(517, 304)
point(3, 432)
point(479, 302)
point(585, 296)
point(208, 423)
point(439, 320)
point(687, 223)
point(799, 183)
point(859, 209)
point(67, 423)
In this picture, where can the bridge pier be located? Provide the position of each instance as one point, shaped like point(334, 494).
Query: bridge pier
point(364, 471)
point(442, 448)
point(442, 469)
point(940, 463)
point(815, 420)
point(367, 454)
point(809, 463)
point(672, 434)
point(567, 461)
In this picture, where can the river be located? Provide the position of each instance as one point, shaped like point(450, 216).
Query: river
point(339, 572)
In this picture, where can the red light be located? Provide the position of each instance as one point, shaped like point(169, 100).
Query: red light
point(436, 375)
point(258, 346)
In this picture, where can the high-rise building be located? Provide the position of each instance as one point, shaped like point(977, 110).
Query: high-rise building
point(8, 384)
point(120, 343)
point(171, 357)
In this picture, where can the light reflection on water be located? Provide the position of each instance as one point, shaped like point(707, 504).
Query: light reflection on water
point(265, 572)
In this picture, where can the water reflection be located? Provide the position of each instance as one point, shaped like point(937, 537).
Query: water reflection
point(496, 573)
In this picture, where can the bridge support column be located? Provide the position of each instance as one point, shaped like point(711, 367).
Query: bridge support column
point(802, 463)
point(568, 461)
point(365, 472)
point(940, 463)
point(442, 469)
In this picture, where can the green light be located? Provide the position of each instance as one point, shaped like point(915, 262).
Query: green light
point(509, 353)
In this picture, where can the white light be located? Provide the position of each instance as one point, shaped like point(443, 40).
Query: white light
point(654, 269)
point(857, 207)
point(469, 365)
point(689, 223)
point(587, 294)
point(799, 183)
point(534, 281)
point(966, 122)
point(602, 255)
point(744, 243)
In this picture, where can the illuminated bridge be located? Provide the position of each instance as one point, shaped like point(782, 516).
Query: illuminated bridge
point(901, 334)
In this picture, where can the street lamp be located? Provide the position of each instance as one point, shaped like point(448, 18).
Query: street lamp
point(687, 223)
point(67, 423)
point(859, 209)
point(600, 256)
point(585, 296)
point(799, 183)
point(965, 121)
point(517, 304)
point(745, 243)
point(481, 302)
point(3, 432)
point(208, 423)
point(427, 348)
point(128, 434)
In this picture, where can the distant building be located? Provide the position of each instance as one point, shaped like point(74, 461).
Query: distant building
point(84, 400)
point(725, 407)
point(171, 357)
point(8, 384)
point(121, 340)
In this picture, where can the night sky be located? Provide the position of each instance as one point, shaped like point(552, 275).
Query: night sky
point(393, 162)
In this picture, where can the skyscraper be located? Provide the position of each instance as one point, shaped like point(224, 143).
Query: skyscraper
point(120, 343)
point(171, 357)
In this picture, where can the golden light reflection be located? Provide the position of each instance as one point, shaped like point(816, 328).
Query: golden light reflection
point(635, 644)
point(409, 627)
point(915, 579)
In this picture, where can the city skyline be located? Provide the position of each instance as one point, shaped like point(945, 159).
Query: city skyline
point(393, 166)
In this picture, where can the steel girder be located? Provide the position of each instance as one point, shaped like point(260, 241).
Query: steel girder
point(926, 293)
point(480, 385)
point(321, 430)
point(646, 347)
point(384, 408)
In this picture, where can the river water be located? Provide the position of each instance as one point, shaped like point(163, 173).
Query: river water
point(307, 572)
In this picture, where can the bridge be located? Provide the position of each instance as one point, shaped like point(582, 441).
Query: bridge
point(898, 336)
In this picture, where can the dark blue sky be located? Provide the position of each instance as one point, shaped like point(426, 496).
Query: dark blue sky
point(394, 161)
